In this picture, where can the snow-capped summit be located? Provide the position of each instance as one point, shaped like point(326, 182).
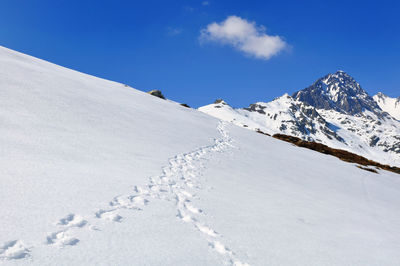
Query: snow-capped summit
point(339, 92)
point(388, 104)
point(335, 111)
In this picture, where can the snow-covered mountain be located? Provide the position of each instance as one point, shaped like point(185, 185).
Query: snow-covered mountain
point(283, 115)
point(339, 92)
point(94, 172)
point(335, 111)
point(388, 104)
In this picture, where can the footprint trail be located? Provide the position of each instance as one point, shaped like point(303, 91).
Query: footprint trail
point(177, 185)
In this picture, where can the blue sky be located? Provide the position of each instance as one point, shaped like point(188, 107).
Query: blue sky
point(157, 45)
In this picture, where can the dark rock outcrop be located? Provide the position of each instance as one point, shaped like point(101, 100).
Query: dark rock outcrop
point(185, 105)
point(219, 101)
point(157, 93)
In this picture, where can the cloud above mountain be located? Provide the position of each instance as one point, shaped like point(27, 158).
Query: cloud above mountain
point(244, 36)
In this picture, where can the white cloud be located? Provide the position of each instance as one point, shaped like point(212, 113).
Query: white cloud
point(205, 3)
point(245, 36)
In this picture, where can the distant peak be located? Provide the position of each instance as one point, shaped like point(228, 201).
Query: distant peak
point(284, 97)
point(220, 101)
point(381, 95)
point(340, 72)
point(338, 91)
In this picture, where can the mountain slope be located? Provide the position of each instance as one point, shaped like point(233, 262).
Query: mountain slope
point(97, 173)
point(334, 111)
point(282, 115)
point(389, 105)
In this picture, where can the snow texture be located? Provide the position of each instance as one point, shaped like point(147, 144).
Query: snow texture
point(94, 172)
point(388, 104)
point(373, 135)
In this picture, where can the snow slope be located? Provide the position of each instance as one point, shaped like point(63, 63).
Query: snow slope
point(367, 134)
point(334, 110)
point(97, 173)
point(388, 104)
point(282, 115)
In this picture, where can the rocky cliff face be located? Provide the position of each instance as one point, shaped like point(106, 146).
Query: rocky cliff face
point(294, 117)
point(339, 92)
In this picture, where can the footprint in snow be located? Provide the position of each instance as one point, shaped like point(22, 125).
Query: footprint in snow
point(192, 209)
point(220, 248)
point(72, 220)
point(111, 215)
point(61, 239)
point(206, 230)
point(13, 250)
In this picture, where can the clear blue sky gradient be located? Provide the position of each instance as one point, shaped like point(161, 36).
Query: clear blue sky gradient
point(137, 43)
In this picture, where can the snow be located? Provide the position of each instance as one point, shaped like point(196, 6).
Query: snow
point(356, 131)
point(276, 112)
point(97, 173)
point(226, 113)
point(359, 130)
point(388, 104)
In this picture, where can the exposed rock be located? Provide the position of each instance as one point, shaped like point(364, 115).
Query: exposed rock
point(256, 108)
point(335, 111)
point(219, 101)
point(157, 93)
point(295, 117)
point(373, 140)
point(339, 92)
point(185, 105)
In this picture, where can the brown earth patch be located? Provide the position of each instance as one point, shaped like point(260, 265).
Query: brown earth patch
point(368, 169)
point(262, 132)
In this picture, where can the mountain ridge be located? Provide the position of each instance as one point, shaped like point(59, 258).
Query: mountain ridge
point(334, 110)
point(340, 92)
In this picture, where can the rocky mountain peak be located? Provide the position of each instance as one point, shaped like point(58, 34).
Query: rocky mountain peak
point(335, 111)
point(340, 92)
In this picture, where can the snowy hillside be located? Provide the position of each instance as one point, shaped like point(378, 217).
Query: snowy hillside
point(388, 104)
point(335, 111)
point(94, 172)
point(282, 115)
